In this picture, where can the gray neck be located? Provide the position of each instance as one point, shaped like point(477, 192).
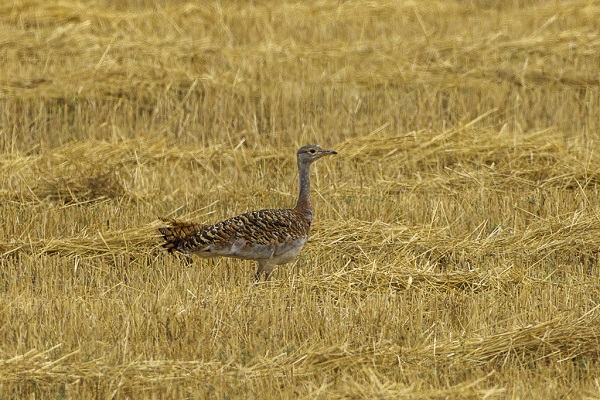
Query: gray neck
point(304, 205)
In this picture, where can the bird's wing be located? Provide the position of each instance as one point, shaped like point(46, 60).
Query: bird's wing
point(255, 229)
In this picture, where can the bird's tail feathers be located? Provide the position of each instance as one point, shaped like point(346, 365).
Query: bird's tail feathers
point(177, 233)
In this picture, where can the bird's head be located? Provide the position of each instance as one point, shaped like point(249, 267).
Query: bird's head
point(310, 153)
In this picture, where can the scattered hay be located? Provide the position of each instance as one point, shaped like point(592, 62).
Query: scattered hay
point(455, 247)
point(557, 341)
point(129, 241)
point(84, 184)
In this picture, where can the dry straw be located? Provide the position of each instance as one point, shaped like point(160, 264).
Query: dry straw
point(454, 252)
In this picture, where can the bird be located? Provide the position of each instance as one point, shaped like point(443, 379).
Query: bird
point(270, 237)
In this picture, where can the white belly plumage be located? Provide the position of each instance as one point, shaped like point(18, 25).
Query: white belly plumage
point(275, 253)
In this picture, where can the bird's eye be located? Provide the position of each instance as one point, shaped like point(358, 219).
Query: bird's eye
point(312, 151)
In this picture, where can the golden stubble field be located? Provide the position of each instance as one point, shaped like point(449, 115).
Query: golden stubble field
point(457, 233)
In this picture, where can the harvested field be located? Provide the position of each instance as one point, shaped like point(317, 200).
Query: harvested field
point(456, 242)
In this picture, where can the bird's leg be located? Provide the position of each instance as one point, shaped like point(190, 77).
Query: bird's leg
point(268, 269)
point(265, 267)
point(259, 270)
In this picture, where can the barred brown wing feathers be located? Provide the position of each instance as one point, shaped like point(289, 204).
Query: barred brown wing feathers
point(273, 226)
point(258, 227)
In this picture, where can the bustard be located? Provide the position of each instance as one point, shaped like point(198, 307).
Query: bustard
point(269, 237)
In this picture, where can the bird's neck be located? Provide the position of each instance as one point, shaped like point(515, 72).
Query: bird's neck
point(304, 205)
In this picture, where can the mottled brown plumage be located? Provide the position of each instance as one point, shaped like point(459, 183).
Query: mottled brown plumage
point(269, 237)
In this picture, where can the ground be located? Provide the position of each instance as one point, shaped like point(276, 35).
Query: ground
point(454, 249)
